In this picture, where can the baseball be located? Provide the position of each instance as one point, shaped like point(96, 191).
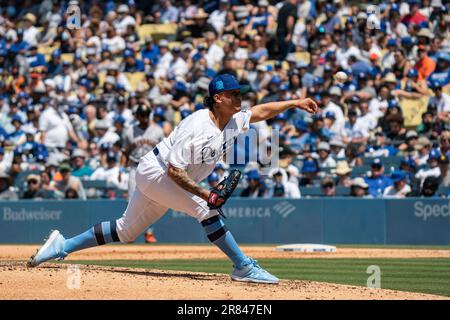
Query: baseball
point(341, 76)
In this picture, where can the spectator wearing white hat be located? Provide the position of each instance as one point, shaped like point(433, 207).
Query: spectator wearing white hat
point(124, 19)
point(30, 33)
point(359, 188)
point(324, 158)
point(343, 172)
point(337, 147)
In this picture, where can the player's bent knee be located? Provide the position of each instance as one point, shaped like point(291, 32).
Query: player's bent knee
point(126, 235)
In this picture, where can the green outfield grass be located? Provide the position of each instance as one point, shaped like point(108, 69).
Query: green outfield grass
point(427, 275)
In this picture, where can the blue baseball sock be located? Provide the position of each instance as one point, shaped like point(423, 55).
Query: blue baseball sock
point(219, 234)
point(98, 235)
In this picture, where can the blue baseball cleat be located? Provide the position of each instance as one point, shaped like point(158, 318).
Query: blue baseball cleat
point(52, 249)
point(252, 272)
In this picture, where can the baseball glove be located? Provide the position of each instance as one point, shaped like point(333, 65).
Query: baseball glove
point(220, 194)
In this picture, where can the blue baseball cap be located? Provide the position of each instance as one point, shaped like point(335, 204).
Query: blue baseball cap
point(301, 125)
point(85, 82)
point(408, 161)
point(16, 117)
point(434, 155)
point(111, 156)
point(119, 119)
point(127, 53)
point(281, 116)
point(56, 53)
point(225, 82)
point(413, 73)
point(406, 40)
point(72, 110)
point(275, 80)
point(180, 86)
point(253, 175)
point(318, 81)
point(23, 95)
point(393, 104)
point(398, 175)
point(330, 115)
point(213, 177)
point(104, 146)
point(185, 113)
point(159, 111)
point(391, 42)
point(443, 56)
point(376, 163)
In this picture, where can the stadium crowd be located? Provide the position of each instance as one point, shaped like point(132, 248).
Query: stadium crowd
point(74, 122)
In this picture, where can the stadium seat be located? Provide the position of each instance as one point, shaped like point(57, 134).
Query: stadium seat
point(21, 177)
point(174, 44)
point(157, 31)
point(443, 190)
point(342, 191)
point(387, 161)
point(68, 57)
point(311, 191)
point(95, 184)
point(135, 79)
point(360, 171)
point(304, 56)
point(46, 50)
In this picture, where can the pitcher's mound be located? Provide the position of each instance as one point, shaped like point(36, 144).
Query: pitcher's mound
point(53, 281)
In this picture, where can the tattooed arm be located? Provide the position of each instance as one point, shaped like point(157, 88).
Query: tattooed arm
point(181, 178)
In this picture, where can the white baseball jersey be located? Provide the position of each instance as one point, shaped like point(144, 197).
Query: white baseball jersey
point(196, 144)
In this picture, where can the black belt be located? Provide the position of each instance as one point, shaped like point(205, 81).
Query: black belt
point(155, 151)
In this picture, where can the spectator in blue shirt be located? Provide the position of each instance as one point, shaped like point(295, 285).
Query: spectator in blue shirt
point(256, 187)
point(150, 54)
point(131, 63)
point(377, 181)
point(441, 74)
point(55, 65)
point(309, 171)
point(34, 58)
point(168, 13)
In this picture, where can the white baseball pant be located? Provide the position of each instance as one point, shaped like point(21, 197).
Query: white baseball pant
point(155, 193)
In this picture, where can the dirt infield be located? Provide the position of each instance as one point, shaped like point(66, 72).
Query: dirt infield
point(158, 252)
point(50, 281)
